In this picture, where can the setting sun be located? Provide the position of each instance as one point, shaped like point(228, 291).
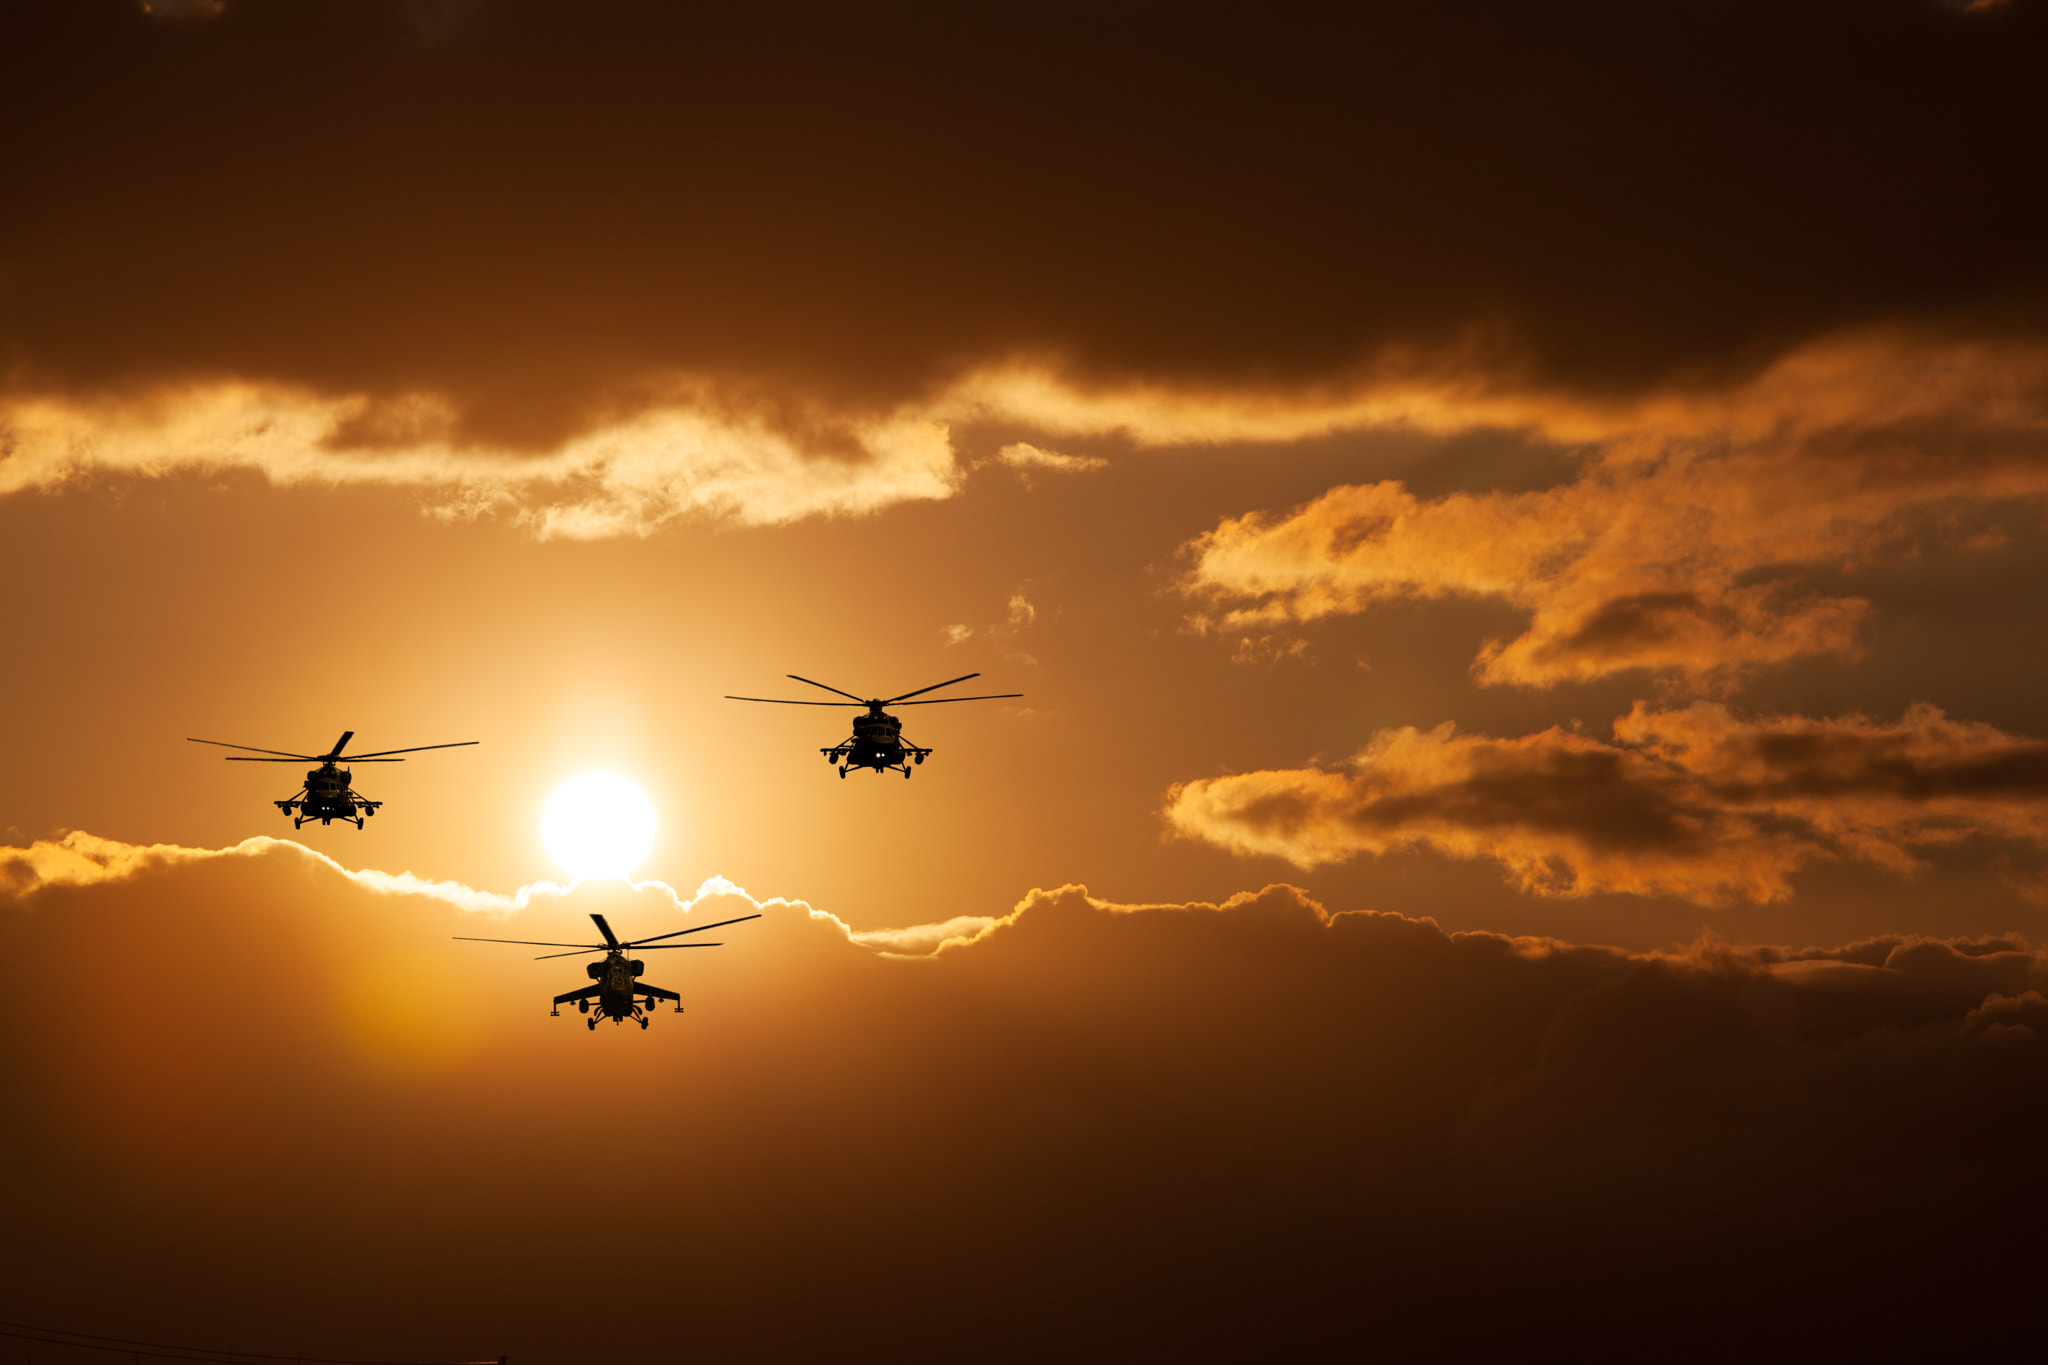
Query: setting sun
point(598, 825)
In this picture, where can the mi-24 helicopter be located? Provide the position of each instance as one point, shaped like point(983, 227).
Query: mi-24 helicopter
point(618, 994)
point(327, 795)
point(878, 736)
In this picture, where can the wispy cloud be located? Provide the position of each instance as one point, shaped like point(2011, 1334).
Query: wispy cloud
point(631, 476)
point(1027, 458)
point(1019, 615)
point(1641, 562)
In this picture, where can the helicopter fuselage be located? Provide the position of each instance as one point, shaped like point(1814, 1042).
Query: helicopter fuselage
point(616, 976)
point(877, 743)
point(618, 994)
point(328, 796)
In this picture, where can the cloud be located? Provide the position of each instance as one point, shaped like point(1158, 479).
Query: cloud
point(923, 939)
point(80, 859)
point(301, 1113)
point(692, 460)
point(684, 450)
point(1689, 542)
point(1685, 544)
point(1267, 649)
point(1285, 200)
point(1026, 458)
point(631, 308)
point(83, 859)
point(1019, 615)
point(1695, 803)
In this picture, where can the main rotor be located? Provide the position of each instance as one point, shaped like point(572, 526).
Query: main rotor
point(612, 945)
point(332, 757)
point(876, 704)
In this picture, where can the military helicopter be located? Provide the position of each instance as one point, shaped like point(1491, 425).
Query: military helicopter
point(877, 736)
point(619, 994)
point(327, 797)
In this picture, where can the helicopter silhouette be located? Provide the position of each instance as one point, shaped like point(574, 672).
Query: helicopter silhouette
point(619, 994)
point(878, 736)
point(327, 795)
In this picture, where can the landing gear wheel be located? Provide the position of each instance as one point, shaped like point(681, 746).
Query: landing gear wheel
point(297, 822)
point(906, 774)
point(590, 1024)
point(643, 1023)
point(842, 773)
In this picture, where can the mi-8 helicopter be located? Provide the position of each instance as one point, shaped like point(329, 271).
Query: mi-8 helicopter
point(877, 736)
point(327, 796)
point(619, 994)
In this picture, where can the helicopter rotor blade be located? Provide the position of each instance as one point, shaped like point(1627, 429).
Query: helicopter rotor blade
point(861, 700)
point(933, 688)
point(296, 758)
point(940, 701)
point(595, 948)
point(784, 701)
point(530, 943)
point(658, 946)
point(339, 745)
point(458, 744)
point(696, 930)
point(611, 939)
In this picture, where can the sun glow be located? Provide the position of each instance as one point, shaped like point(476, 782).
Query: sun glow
point(598, 825)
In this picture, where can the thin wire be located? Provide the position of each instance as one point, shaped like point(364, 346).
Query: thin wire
point(87, 1341)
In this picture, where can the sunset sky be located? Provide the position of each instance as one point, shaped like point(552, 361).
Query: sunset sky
point(1518, 529)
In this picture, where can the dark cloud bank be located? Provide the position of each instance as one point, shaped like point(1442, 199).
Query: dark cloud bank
point(525, 206)
point(1099, 1132)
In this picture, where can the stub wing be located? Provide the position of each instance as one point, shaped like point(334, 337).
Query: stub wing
point(571, 997)
point(642, 988)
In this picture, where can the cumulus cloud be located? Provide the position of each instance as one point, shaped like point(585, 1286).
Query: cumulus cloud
point(1689, 540)
point(313, 1105)
point(1697, 803)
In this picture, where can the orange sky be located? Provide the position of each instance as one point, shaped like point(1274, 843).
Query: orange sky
point(1517, 535)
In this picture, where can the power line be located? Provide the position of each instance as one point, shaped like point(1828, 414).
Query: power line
point(157, 1350)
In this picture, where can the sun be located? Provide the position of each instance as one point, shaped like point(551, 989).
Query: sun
point(598, 825)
